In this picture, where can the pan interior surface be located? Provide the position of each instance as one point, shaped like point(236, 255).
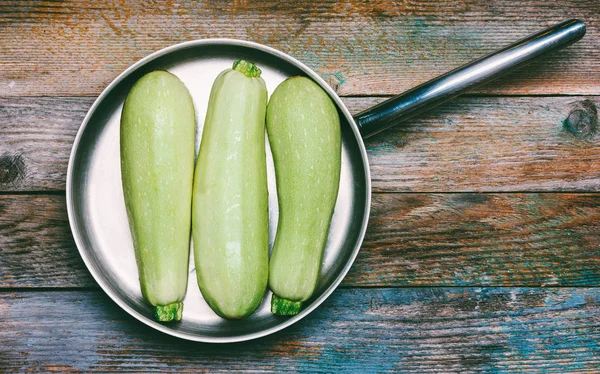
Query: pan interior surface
point(97, 210)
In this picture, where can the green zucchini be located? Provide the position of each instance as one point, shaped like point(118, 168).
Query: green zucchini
point(230, 218)
point(157, 166)
point(305, 137)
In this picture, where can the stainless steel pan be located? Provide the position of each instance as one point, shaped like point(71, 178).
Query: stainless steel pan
point(95, 198)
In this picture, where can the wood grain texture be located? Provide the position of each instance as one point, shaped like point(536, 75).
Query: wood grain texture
point(36, 244)
point(39, 133)
point(535, 239)
point(360, 47)
point(492, 144)
point(471, 144)
point(408, 303)
point(462, 330)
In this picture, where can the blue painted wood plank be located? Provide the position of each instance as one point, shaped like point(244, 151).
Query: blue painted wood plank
point(412, 330)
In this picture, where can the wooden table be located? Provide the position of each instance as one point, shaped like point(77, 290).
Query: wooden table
point(483, 249)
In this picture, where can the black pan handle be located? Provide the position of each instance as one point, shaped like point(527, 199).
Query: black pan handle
point(455, 82)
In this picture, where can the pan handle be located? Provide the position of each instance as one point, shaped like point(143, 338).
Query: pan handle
point(455, 82)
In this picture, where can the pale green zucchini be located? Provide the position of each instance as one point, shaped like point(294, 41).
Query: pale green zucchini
point(305, 137)
point(157, 166)
point(230, 205)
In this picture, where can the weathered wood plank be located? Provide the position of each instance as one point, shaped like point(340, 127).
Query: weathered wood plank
point(36, 244)
point(472, 144)
point(493, 144)
point(36, 137)
point(425, 330)
point(533, 239)
point(362, 48)
point(481, 239)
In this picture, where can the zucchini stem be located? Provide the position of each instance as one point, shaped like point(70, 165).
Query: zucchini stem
point(169, 312)
point(284, 307)
point(247, 68)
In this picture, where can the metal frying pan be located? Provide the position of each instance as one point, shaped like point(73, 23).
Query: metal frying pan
point(95, 199)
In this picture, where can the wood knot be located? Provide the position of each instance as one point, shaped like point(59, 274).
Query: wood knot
point(12, 169)
point(582, 121)
point(398, 143)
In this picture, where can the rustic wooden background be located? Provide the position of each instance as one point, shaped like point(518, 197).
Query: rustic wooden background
point(483, 250)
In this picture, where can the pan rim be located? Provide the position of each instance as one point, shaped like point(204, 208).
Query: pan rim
point(84, 250)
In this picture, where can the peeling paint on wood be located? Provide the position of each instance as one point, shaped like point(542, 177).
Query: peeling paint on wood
point(362, 330)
